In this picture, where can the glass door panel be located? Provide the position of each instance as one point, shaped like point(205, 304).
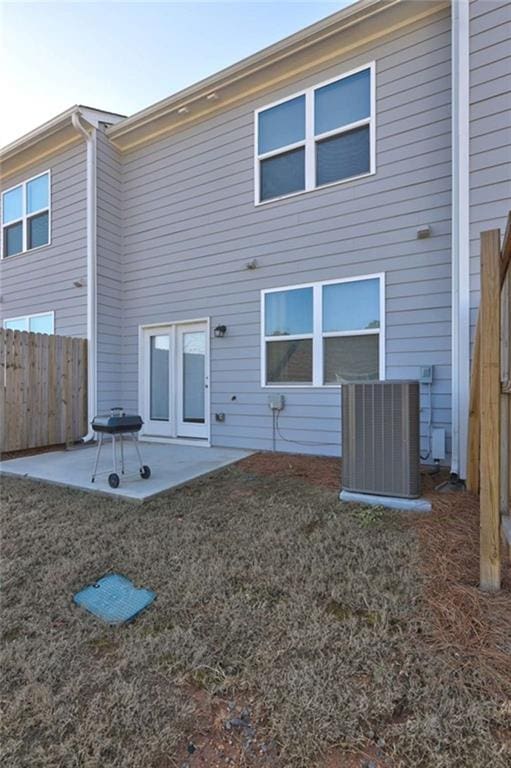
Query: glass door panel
point(159, 384)
point(194, 370)
point(156, 405)
point(192, 381)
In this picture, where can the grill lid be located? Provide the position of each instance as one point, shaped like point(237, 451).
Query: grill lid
point(117, 421)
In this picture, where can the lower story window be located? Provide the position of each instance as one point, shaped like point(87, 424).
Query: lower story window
point(324, 333)
point(43, 322)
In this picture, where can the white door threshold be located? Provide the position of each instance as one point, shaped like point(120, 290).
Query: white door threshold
point(201, 442)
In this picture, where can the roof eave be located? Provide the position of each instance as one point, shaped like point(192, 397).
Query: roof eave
point(287, 46)
point(32, 137)
point(49, 137)
point(314, 47)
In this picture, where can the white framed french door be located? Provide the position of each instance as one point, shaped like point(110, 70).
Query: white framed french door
point(174, 380)
point(192, 380)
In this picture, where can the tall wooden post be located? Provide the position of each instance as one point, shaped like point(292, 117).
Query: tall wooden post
point(505, 377)
point(490, 411)
point(474, 416)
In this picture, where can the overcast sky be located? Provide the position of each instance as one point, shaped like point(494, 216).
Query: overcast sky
point(123, 56)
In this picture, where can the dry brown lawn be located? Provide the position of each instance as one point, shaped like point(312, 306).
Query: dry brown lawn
point(288, 631)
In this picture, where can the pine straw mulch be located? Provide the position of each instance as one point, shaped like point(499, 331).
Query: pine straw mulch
point(317, 470)
point(473, 625)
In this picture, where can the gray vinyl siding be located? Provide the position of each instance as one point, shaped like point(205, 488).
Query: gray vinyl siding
point(190, 227)
point(490, 127)
point(41, 280)
point(109, 271)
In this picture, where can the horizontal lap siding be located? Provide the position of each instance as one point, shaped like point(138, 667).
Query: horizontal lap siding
point(490, 127)
point(42, 279)
point(190, 227)
point(109, 286)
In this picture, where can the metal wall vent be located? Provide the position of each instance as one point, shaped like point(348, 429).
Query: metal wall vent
point(380, 438)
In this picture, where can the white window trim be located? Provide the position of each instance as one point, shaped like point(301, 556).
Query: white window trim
point(29, 317)
point(310, 139)
point(25, 216)
point(317, 335)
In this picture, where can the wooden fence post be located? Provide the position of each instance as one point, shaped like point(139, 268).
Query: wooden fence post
point(474, 416)
point(505, 377)
point(490, 411)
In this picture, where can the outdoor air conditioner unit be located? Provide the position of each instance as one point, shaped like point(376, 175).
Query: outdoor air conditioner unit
point(380, 438)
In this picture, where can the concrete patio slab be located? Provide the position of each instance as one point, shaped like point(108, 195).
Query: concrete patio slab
point(171, 466)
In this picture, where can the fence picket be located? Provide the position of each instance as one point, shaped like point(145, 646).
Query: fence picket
point(52, 390)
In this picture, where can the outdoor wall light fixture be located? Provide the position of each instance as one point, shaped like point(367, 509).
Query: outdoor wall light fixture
point(220, 331)
point(423, 232)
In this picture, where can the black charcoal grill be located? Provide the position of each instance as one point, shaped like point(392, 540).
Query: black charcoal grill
point(118, 424)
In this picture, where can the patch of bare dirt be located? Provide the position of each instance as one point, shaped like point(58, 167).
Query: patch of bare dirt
point(319, 470)
point(225, 734)
point(316, 470)
point(7, 455)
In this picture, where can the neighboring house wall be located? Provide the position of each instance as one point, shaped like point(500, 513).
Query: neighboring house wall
point(490, 127)
point(190, 227)
point(41, 280)
point(109, 273)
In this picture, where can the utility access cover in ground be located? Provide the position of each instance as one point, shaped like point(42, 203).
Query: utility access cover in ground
point(114, 599)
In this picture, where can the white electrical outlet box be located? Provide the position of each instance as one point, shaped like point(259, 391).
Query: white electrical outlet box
point(426, 374)
point(438, 444)
point(276, 402)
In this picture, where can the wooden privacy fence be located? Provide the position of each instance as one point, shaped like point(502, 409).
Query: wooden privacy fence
point(43, 389)
point(489, 447)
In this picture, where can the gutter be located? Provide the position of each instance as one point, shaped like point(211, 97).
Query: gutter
point(356, 12)
point(460, 238)
point(90, 139)
point(28, 139)
point(231, 82)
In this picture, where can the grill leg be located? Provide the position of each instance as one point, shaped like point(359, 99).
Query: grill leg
point(114, 453)
point(98, 451)
point(122, 453)
point(137, 449)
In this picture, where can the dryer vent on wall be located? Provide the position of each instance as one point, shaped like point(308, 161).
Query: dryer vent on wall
point(380, 438)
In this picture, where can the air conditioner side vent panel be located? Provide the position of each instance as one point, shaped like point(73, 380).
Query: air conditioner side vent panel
point(380, 438)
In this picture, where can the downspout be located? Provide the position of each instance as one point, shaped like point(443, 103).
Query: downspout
point(460, 237)
point(90, 140)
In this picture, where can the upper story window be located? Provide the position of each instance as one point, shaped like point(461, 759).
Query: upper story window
point(321, 136)
point(43, 322)
point(324, 333)
point(26, 215)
